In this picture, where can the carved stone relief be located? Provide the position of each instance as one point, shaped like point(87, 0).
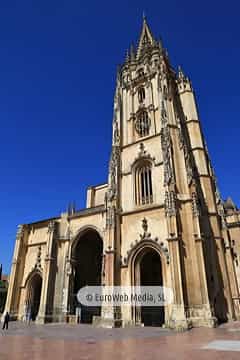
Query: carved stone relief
point(166, 148)
point(195, 205)
point(146, 237)
point(38, 259)
point(170, 203)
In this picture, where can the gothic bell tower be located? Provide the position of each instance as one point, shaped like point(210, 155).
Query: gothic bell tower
point(160, 175)
point(158, 221)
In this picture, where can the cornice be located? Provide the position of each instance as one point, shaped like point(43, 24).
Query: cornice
point(88, 211)
point(141, 140)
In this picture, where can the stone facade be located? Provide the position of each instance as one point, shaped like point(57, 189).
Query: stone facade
point(161, 198)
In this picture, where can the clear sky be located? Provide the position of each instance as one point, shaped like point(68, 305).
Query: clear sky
point(58, 62)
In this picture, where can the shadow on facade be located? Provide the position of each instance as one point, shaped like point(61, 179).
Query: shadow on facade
point(213, 246)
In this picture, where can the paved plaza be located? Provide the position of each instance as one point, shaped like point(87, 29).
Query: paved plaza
point(63, 341)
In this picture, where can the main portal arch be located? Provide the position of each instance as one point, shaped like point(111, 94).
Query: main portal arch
point(34, 290)
point(147, 271)
point(87, 255)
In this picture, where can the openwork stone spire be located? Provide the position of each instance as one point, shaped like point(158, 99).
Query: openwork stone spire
point(146, 39)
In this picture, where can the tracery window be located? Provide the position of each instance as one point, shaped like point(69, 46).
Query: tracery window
point(141, 94)
point(143, 184)
point(142, 124)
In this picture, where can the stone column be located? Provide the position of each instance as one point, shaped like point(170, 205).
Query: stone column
point(225, 279)
point(223, 301)
point(208, 317)
point(177, 318)
point(44, 312)
point(137, 319)
point(10, 305)
point(67, 286)
point(108, 312)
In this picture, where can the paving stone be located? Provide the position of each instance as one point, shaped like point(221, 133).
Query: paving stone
point(84, 342)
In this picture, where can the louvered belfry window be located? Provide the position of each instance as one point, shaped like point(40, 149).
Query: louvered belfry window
point(143, 184)
point(142, 124)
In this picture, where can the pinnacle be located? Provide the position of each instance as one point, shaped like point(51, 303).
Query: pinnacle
point(180, 73)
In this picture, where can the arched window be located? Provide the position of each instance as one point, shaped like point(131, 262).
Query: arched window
point(143, 184)
point(141, 94)
point(142, 124)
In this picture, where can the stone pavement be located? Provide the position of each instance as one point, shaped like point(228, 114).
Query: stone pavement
point(64, 341)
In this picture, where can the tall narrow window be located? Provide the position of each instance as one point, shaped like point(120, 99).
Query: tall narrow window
point(142, 124)
point(141, 95)
point(143, 184)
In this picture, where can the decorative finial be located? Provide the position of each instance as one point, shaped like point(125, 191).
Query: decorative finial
point(180, 73)
point(71, 208)
point(142, 150)
point(127, 56)
point(144, 225)
point(160, 42)
point(146, 234)
point(132, 52)
point(144, 16)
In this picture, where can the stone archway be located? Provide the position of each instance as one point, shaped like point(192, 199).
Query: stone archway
point(87, 254)
point(147, 271)
point(34, 290)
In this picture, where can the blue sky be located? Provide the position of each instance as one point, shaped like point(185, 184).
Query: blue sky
point(58, 63)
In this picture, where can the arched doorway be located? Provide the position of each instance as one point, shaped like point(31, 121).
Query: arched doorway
point(148, 272)
point(87, 262)
point(34, 295)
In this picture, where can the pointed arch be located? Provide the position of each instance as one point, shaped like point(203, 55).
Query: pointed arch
point(147, 267)
point(143, 244)
point(33, 285)
point(86, 257)
point(32, 273)
point(81, 232)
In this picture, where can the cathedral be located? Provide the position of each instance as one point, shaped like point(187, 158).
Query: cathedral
point(158, 220)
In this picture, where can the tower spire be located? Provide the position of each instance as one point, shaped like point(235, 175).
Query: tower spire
point(146, 38)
